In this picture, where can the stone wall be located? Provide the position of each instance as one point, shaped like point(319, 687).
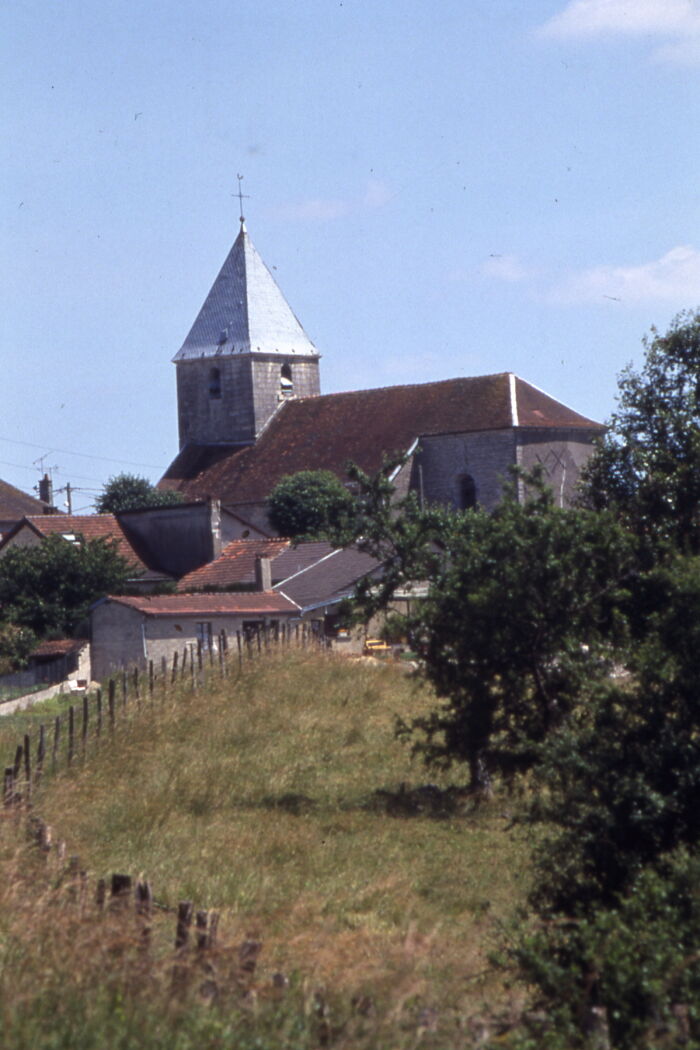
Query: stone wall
point(124, 637)
point(267, 392)
point(442, 460)
point(248, 391)
point(562, 454)
point(227, 419)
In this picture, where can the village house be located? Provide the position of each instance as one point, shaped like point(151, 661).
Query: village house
point(76, 528)
point(250, 412)
point(15, 504)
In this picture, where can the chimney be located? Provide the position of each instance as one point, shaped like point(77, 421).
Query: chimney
point(263, 574)
point(46, 490)
point(215, 527)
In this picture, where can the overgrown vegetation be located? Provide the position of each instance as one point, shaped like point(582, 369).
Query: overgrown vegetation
point(309, 504)
point(133, 492)
point(283, 799)
point(50, 587)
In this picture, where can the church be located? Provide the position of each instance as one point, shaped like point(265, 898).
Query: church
point(251, 411)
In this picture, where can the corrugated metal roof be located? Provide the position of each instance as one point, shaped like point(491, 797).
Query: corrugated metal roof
point(208, 604)
point(245, 312)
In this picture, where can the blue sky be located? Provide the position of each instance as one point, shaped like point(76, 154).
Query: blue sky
point(460, 188)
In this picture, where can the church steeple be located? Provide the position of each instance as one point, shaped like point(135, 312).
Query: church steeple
point(245, 353)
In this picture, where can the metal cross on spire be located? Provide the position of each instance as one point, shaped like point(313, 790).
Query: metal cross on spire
point(241, 195)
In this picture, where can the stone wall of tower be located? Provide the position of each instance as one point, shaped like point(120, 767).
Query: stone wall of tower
point(205, 419)
point(267, 383)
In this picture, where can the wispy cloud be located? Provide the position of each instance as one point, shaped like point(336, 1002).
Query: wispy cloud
point(326, 209)
point(505, 268)
point(677, 22)
point(674, 278)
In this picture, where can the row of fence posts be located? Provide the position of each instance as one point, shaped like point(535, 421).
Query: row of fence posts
point(100, 710)
point(121, 896)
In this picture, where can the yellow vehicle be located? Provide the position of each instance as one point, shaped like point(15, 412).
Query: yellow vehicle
point(376, 647)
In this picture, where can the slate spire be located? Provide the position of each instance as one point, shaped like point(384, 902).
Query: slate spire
point(245, 312)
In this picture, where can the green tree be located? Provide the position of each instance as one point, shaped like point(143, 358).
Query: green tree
point(131, 492)
point(16, 643)
point(518, 626)
point(51, 586)
point(616, 870)
point(647, 467)
point(310, 503)
point(522, 615)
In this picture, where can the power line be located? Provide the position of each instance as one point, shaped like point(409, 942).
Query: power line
point(85, 455)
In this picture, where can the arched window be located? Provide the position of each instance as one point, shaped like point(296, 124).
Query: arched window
point(467, 492)
point(286, 381)
point(214, 383)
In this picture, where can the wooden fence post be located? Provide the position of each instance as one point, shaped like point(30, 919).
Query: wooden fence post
point(120, 891)
point(125, 687)
point(98, 707)
point(84, 726)
point(173, 677)
point(40, 751)
point(56, 741)
point(28, 765)
point(144, 904)
point(164, 671)
point(151, 678)
point(184, 921)
point(137, 687)
point(199, 654)
point(111, 702)
point(71, 733)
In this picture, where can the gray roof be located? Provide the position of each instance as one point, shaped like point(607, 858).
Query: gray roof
point(245, 312)
point(330, 579)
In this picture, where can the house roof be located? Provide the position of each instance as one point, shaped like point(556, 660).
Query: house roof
point(236, 563)
point(59, 647)
point(245, 312)
point(14, 503)
point(329, 579)
point(363, 426)
point(248, 602)
point(89, 526)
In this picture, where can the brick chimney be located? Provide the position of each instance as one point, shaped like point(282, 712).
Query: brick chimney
point(263, 574)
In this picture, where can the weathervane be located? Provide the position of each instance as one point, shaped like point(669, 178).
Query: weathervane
point(241, 195)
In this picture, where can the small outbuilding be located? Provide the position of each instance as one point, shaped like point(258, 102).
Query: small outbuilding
point(131, 631)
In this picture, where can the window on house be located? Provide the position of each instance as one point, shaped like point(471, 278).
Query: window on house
point(215, 383)
point(286, 381)
point(205, 635)
point(467, 492)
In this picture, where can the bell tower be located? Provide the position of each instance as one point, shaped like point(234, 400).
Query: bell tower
point(244, 356)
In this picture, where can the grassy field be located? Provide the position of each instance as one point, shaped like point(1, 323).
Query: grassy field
point(281, 798)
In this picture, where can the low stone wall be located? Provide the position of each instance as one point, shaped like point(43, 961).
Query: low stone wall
point(19, 703)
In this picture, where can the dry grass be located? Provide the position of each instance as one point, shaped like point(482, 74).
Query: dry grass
point(283, 799)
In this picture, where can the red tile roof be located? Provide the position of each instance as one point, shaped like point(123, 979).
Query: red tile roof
point(235, 564)
point(261, 602)
point(362, 426)
point(14, 503)
point(90, 527)
point(59, 647)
